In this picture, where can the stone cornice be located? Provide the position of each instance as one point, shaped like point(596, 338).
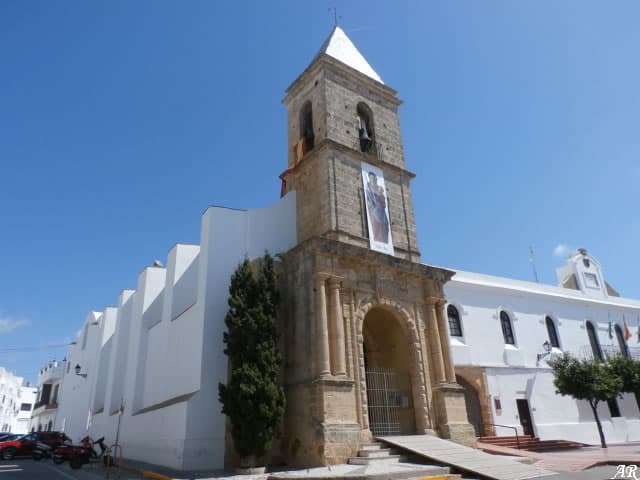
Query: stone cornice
point(325, 61)
point(323, 245)
point(327, 144)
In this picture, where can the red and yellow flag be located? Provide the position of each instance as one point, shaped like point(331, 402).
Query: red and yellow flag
point(627, 331)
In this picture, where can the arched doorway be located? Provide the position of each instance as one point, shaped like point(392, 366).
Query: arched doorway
point(472, 402)
point(388, 361)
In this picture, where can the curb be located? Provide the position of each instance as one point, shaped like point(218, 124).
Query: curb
point(156, 476)
point(144, 473)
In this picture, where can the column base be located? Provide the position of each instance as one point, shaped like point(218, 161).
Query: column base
point(451, 414)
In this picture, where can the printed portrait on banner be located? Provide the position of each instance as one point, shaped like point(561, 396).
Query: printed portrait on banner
point(375, 195)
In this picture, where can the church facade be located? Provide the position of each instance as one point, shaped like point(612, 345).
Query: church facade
point(366, 328)
point(362, 310)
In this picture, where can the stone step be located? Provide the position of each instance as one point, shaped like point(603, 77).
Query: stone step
point(375, 460)
point(372, 446)
point(382, 452)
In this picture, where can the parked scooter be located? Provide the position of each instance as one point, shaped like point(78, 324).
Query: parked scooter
point(78, 455)
point(41, 450)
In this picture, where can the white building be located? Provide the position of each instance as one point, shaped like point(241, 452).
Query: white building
point(16, 403)
point(46, 407)
point(498, 327)
point(27, 401)
point(147, 370)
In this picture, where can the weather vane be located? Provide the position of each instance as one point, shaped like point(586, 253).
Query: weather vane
point(335, 15)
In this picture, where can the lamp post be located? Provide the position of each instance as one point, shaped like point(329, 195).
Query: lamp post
point(78, 368)
point(547, 350)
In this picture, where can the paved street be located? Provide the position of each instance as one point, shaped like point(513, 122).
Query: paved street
point(27, 469)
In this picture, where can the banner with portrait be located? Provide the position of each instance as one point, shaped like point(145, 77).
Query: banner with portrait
point(375, 197)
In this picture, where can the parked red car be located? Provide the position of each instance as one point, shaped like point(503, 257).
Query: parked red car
point(24, 444)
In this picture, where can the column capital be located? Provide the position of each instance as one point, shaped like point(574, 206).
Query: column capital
point(435, 301)
point(334, 281)
point(321, 276)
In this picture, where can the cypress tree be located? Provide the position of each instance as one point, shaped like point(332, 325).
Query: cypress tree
point(253, 398)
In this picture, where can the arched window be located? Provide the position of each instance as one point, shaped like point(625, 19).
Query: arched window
point(624, 349)
point(595, 343)
point(455, 327)
point(553, 333)
point(306, 126)
point(50, 426)
point(366, 132)
point(507, 329)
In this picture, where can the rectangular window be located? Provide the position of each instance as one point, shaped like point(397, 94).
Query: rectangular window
point(54, 398)
point(591, 280)
point(25, 407)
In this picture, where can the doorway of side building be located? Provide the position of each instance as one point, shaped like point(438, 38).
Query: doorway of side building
point(524, 413)
point(388, 358)
point(472, 402)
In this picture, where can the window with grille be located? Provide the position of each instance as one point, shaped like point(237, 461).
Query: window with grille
point(595, 343)
point(507, 329)
point(553, 333)
point(455, 327)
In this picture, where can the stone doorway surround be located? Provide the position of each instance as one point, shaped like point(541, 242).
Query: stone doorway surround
point(397, 317)
point(476, 377)
point(329, 287)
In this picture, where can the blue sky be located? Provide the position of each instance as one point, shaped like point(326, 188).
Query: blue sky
point(121, 121)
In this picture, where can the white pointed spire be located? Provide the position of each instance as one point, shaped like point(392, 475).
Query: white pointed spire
point(340, 47)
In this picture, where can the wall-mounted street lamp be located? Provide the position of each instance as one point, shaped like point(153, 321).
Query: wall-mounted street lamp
point(77, 369)
point(547, 350)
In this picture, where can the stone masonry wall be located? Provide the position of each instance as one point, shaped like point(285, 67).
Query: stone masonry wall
point(342, 97)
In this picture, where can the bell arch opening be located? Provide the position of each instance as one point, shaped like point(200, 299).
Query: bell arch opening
point(389, 365)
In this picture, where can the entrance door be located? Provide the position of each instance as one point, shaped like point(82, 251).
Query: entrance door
point(525, 416)
point(388, 364)
point(383, 401)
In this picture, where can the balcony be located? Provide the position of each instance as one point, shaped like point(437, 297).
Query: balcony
point(609, 351)
point(52, 372)
point(42, 406)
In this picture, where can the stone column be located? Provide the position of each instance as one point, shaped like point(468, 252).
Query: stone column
point(338, 359)
point(434, 343)
point(322, 332)
point(445, 345)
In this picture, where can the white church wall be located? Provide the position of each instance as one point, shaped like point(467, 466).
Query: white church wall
point(160, 353)
point(75, 398)
point(555, 416)
point(120, 361)
point(512, 370)
point(109, 318)
point(147, 314)
point(245, 234)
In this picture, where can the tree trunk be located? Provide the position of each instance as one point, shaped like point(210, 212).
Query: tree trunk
point(594, 408)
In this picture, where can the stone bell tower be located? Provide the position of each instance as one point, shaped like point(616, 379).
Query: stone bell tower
point(359, 309)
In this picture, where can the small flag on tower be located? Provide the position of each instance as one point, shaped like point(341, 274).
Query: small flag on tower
point(627, 330)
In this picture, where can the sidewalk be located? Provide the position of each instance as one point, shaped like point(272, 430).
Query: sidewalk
point(134, 469)
point(574, 460)
point(571, 464)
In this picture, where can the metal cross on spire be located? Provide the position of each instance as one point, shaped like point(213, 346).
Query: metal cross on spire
point(335, 15)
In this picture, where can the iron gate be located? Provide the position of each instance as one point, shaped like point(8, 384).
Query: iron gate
point(383, 401)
